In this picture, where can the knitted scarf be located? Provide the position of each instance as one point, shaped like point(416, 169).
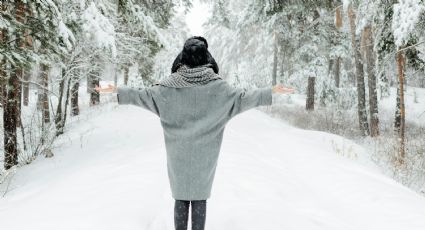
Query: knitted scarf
point(189, 77)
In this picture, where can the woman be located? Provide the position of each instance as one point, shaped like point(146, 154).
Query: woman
point(194, 104)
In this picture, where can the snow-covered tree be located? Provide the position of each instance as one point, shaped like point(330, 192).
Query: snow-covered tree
point(21, 21)
point(405, 17)
point(63, 42)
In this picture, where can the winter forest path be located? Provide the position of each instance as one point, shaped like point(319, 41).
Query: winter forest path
point(110, 173)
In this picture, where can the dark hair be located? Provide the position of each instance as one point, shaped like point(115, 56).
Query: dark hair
point(195, 53)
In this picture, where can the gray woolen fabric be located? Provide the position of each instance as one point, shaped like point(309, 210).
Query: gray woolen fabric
point(193, 121)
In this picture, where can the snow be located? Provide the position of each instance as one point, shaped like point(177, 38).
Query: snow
point(66, 34)
point(109, 172)
point(406, 14)
point(98, 28)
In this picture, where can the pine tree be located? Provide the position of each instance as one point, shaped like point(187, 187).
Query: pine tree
point(361, 95)
point(75, 110)
point(3, 73)
point(310, 93)
point(373, 96)
point(59, 122)
point(11, 111)
point(402, 112)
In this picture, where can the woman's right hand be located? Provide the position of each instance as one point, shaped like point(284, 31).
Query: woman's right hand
point(282, 90)
point(109, 89)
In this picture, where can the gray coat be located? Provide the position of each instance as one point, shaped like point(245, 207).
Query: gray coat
point(193, 120)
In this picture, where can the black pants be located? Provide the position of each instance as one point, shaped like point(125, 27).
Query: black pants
point(181, 214)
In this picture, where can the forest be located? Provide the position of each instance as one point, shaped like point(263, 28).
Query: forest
point(358, 67)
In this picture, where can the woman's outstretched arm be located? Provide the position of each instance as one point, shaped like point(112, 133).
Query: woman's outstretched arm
point(247, 99)
point(141, 97)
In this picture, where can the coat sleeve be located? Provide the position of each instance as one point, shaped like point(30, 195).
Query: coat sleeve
point(142, 97)
point(244, 99)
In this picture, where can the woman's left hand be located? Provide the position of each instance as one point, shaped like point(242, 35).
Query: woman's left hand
point(109, 89)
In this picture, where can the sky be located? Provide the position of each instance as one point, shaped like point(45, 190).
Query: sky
point(198, 15)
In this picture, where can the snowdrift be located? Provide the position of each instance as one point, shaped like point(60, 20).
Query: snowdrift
point(109, 173)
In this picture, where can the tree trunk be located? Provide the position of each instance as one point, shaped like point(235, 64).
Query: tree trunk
point(338, 17)
point(20, 42)
point(361, 92)
point(9, 103)
point(126, 72)
point(400, 65)
point(94, 95)
point(9, 96)
point(3, 74)
point(116, 76)
point(373, 96)
point(397, 118)
point(68, 89)
point(59, 115)
point(26, 88)
point(19, 74)
point(45, 97)
point(40, 94)
point(10, 115)
point(275, 50)
point(330, 65)
point(337, 71)
point(3, 83)
point(282, 65)
point(310, 93)
point(75, 110)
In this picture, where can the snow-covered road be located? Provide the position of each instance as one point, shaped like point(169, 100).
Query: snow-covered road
point(110, 174)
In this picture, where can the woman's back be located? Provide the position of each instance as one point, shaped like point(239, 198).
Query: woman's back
point(195, 111)
point(193, 120)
